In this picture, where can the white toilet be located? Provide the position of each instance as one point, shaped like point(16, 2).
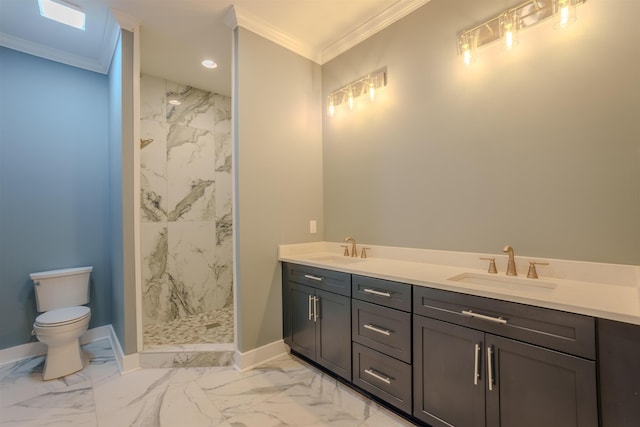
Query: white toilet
point(60, 294)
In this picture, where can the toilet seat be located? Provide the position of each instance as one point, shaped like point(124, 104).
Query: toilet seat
point(62, 316)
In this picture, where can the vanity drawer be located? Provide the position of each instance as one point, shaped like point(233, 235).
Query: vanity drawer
point(381, 328)
point(328, 280)
point(558, 330)
point(382, 376)
point(383, 292)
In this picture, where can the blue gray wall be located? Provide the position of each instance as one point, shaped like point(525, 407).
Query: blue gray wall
point(115, 190)
point(54, 205)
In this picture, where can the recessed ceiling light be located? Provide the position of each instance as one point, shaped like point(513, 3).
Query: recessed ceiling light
point(174, 102)
point(63, 12)
point(208, 63)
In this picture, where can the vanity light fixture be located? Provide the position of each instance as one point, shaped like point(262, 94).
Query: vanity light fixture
point(208, 63)
point(61, 11)
point(507, 24)
point(348, 94)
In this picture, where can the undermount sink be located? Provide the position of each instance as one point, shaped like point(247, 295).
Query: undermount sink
point(503, 282)
point(339, 259)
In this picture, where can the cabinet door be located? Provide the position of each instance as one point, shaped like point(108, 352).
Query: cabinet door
point(448, 386)
point(536, 387)
point(333, 334)
point(303, 327)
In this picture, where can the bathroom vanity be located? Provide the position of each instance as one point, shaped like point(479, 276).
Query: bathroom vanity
point(444, 357)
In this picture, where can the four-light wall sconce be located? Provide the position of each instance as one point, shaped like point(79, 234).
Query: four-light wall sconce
point(507, 24)
point(364, 86)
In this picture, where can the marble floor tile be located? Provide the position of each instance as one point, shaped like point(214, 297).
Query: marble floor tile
point(283, 392)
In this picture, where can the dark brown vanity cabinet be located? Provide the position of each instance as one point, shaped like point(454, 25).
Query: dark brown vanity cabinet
point(619, 373)
point(381, 331)
point(316, 315)
point(479, 361)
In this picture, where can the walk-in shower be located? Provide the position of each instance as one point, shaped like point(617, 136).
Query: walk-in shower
point(186, 216)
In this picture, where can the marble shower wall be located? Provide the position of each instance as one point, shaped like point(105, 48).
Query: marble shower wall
point(185, 201)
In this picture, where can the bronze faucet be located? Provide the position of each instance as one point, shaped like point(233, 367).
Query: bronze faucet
point(354, 250)
point(511, 264)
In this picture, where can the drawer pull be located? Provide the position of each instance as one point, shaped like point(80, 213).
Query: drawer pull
point(490, 367)
point(483, 317)
point(374, 292)
point(378, 330)
point(476, 368)
point(312, 277)
point(377, 376)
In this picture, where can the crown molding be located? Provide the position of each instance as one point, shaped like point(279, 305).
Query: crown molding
point(238, 17)
point(47, 52)
point(100, 64)
point(393, 13)
point(241, 18)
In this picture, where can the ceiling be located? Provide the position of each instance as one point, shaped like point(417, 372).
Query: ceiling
point(176, 35)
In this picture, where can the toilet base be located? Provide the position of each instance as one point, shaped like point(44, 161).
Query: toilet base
point(63, 360)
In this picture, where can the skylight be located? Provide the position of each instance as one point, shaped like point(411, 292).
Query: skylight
point(63, 12)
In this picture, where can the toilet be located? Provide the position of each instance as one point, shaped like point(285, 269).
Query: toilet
point(60, 295)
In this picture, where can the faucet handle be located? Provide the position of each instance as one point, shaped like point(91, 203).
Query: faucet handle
point(363, 252)
point(533, 274)
point(492, 265)
point(346, 250)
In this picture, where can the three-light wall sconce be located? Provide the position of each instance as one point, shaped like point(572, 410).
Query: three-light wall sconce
point(507, 24)
point(367, 85)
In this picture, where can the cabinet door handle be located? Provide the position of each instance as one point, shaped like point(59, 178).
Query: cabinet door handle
point(315, 309)
point(483, 317)
point(378, 330)
point(490, 367)
point(476, 367)
point(377, 376)
point(312, 277)
point(310, 312)
point(374, 292)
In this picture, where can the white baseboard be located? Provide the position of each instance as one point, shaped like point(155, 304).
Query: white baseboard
point(36, 348)
point(257, 356)
point(126, 362)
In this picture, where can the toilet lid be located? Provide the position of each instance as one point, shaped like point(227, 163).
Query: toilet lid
point(63, 316)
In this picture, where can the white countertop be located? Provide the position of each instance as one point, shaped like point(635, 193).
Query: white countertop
point(615, 294)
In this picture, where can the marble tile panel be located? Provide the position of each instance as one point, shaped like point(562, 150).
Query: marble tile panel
point(196, 109)
point(153, 172)
point(154, 247)
point(153, 92)
point(191, 269)
point(191, 174)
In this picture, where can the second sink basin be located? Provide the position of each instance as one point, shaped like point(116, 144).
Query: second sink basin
point(503, 282)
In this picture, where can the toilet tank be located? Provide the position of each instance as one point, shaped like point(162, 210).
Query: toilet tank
point(61, 288)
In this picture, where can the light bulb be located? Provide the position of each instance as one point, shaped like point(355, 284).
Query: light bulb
point(508, 39)
point(332, 107)
point(350, 100)
point(564, 13)
point(372, 91)
point(467, 57)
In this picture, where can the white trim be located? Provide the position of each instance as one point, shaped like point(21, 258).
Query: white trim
point(390, 15)
point(33, 349)
point(257, 356)
point(52, 54)
point(126, 363)
point(256, 25)
point(238, 17)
